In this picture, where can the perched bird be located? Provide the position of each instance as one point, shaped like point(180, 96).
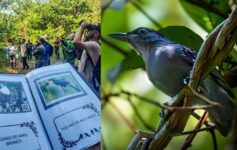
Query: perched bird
point(4, 90)
point(62, 83)
point(169, 63)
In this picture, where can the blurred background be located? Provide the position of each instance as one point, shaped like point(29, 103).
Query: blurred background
point(127, 93)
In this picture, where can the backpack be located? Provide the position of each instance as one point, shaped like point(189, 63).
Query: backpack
point(96, 72)
point(96, 80)
point(78, 53)
point(50, 50)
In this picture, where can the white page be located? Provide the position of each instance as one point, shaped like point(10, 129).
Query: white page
point(68, 107)
point(20, 125)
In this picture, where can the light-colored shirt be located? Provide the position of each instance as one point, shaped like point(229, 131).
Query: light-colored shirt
point(23, 50)
point(93, 51)
point(12, 50)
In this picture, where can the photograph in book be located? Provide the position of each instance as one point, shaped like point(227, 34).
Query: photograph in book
point(13, 98)
point(56, 88)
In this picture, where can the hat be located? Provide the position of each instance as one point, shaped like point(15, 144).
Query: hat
point(42, 40)
point(92, 27)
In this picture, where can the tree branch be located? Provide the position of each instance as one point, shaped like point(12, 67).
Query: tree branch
point(196, 130)
point(213, 135)
point(145, 13)
point(190, 138)
point(139, 115)
point(127, 120)
point(117, 48)
point(209, 7)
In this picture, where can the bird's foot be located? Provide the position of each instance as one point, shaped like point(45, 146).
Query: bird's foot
point(186, 79)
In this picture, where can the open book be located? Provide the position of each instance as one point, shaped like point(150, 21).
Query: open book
point(48, 108)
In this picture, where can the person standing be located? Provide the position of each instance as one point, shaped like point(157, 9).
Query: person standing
point(39, 54)
point(24, 55)
point(12, 53)
point(29, 48)
point(90, 59)
point(56, 47)
point(47, 51)
point(70, 49)
point(63, 48)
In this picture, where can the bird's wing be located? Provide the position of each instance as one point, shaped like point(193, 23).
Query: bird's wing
point(190, 56)
point(219, 79)
point(186, 53)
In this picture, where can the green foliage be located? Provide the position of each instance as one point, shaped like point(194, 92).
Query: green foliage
point(4, 60)
point(183, 35)
point(132, 61)
point(31, 19)
point(207, 13)
point(121, 71)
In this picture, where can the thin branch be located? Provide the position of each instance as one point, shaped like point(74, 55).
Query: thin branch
point(213, 135)
point(196, 131)
point(204, 98)
point(139, 115)
point(170, 108)
point(195, 115)
point(152, 102)
point(139, 135)
point(209, 7)
point(190, 138)
point(212, 131)
point(126, 119)
point(145, 13)
point(117, 48)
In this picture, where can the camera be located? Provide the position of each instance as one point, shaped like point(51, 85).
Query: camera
point(91, 27)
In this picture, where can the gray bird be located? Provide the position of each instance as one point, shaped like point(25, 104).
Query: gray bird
point(169, 63)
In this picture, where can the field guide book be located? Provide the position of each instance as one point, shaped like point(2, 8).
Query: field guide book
point(50, 108)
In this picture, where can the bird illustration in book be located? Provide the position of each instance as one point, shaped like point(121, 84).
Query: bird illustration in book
point(58, 87)
point(12, 97)
point(64, 83)
point(4, 90)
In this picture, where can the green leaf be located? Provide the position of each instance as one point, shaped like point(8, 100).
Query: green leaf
point(183, 35)
point(131, 62)
point(206, 13)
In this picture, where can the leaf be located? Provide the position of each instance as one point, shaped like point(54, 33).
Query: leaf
point(206, 13)
point(183, 35)
point(180, 34)
point(132, 61)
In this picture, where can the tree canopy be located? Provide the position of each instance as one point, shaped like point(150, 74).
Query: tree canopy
point(33, 18)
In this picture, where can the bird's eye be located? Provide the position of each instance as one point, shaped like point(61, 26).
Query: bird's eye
point(142, 31)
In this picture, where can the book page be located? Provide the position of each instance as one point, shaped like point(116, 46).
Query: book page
point(20, 125)
point(70, 110)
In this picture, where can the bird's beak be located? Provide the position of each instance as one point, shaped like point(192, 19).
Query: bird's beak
point(120, 36)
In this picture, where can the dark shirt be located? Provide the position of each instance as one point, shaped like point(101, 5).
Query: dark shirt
point(57, 43)
point(47, 51)
point(39, 53)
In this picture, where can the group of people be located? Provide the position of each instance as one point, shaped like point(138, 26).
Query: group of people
point(22, 50)
point(86, 49)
